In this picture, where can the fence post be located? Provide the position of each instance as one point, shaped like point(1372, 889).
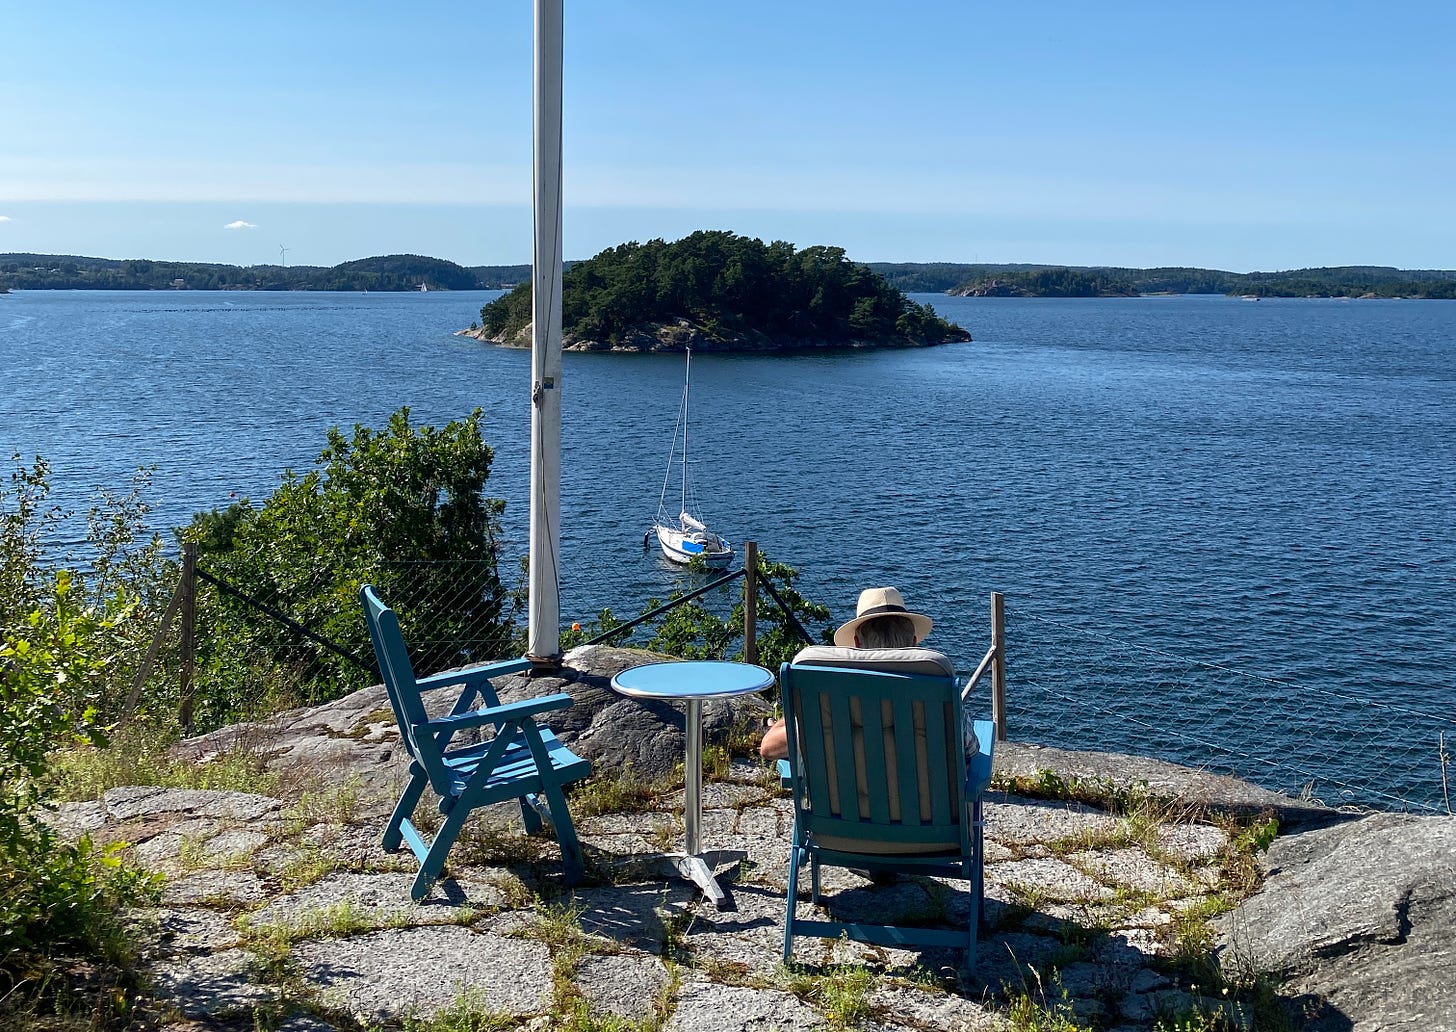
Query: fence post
point(750, 602)
point(148, 661)
point(998, 665)
point(188, 591)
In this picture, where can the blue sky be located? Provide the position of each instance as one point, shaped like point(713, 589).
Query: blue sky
point(1235, 136)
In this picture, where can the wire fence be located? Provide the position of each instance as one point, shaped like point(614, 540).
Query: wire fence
point(237, 650)
point(253, 648)
point(1077, 688)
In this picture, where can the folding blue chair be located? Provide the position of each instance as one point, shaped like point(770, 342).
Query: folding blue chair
point(521, 761)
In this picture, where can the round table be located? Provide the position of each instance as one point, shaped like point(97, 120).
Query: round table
point(692, 682)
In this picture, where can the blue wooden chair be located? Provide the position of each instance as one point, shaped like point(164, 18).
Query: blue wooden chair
point(521, 761)
point(880, 781)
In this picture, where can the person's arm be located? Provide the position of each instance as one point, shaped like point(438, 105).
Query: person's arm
point(775, 744)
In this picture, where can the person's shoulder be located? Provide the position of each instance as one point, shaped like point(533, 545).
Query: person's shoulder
point(913, 660)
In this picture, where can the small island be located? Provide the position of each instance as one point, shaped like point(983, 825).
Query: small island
point(718, 291)
point(1047, 283)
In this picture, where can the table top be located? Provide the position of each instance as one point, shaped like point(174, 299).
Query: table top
point(692, 679)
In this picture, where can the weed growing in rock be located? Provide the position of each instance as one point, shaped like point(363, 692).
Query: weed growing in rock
point(335, 921)
point(517, 894)
point(138, 755)
point(467, 1013)
point(841, 992)
point(621, 792)
point(1033, 1010)
point(665, 835)
point(194, 855)
point(335, 803)
point(493, 845)
point(306, 868)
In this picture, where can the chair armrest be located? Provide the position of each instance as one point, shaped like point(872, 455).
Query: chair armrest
point(472, 675)
point(978, 773)
point(786, 774)
point(497, 714)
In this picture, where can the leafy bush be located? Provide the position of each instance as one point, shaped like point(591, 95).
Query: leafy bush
point(53, 895)
point(710, 628)
point(404, 509)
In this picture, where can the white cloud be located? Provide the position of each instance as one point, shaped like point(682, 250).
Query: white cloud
point(240, 224)
point(6, 218)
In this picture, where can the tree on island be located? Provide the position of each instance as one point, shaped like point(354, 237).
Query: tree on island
point(718, 290)
point(1048, 283)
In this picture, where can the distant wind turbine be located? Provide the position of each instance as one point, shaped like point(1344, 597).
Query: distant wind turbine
point(283, 251)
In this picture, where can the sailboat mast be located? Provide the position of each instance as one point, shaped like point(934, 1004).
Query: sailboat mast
point(544, 601)
point(687, 382)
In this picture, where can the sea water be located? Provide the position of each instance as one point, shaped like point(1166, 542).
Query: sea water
point(1223, 528)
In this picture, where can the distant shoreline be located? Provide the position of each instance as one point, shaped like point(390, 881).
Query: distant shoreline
point(413, 273)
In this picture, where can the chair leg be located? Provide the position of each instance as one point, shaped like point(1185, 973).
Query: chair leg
point(402, 809)
point(795, 860)
point(529, 817)
point(571, 858)
point(434, 861)
point(814, 880)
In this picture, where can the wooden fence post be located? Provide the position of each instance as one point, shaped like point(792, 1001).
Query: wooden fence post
point(998, 665)
point(750, 602)
point(188, 592)
point(148, 661)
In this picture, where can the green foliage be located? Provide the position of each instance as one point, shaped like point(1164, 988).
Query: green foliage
point(1049, 283)
point(26, 520)
point(396, 272)
point(49, 677)
point(696, 631)
point(137, 753)
point(1343, 281)
point(403, 509)
point(730, 287)
point(1259, 836)
point(841, 992)
point(387, 272)
point(53, 895)
point(580, 633)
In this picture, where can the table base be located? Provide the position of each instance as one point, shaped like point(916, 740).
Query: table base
point(699, 868)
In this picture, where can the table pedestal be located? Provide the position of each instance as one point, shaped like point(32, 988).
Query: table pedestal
point(693, 863)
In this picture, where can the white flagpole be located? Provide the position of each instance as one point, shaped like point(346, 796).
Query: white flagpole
point(544, 607)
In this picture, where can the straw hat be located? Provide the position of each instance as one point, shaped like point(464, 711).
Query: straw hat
point(875, 602)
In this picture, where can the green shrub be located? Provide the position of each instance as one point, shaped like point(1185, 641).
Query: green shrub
point(402, 508)
point(54, 896)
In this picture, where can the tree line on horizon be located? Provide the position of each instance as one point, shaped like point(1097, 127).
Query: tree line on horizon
point(25, 271)
point(394, 272)
point(1113, 281)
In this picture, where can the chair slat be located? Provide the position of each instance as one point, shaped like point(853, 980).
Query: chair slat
point(940, 783)
point(846, 768)
point(906, 777)
point(876, 726)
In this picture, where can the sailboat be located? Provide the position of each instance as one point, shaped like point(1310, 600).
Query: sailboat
point(682, 536)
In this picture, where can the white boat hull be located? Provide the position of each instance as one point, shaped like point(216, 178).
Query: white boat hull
point(683, 546)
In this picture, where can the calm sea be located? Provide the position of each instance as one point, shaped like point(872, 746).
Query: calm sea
point(1224, 529)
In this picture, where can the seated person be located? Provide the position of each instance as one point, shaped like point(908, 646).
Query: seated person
point(883, 634)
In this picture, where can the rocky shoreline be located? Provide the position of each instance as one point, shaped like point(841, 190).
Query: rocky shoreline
point(683, 335)
point(1108, 909)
